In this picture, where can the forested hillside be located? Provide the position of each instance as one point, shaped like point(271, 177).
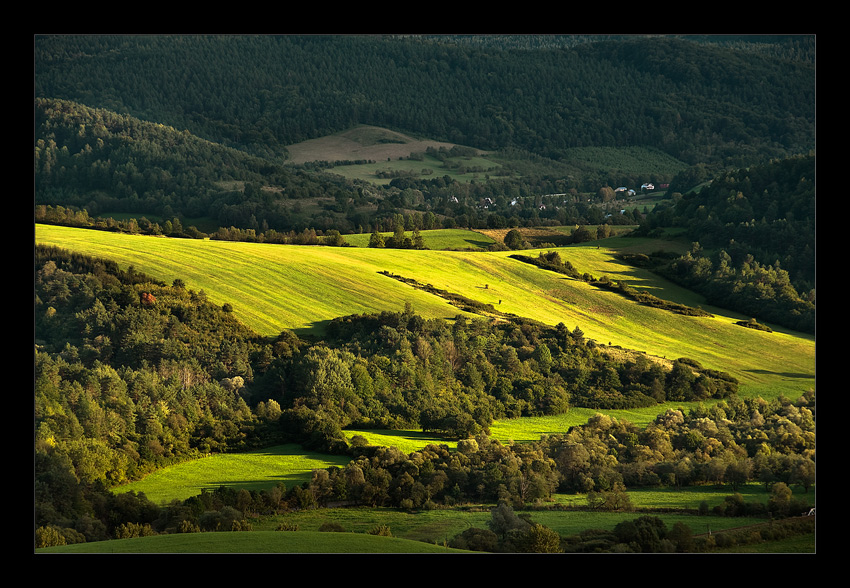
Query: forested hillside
point(131, 375)
point(753, 231)
point(194, 129)
point(93, 161)
point(697, 102)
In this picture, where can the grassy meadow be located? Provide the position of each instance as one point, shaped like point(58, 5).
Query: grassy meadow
point(301, 542)
point(252, 470)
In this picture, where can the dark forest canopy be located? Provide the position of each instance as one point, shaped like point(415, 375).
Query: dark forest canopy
point(699, 102)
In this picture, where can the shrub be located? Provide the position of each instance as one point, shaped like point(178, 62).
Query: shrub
point(381, 530)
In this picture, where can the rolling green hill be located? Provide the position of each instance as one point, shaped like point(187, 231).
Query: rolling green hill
point(256, 542)
point(274, 288)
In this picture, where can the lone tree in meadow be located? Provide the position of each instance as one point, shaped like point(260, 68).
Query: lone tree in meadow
point(513, 240)
point(376, 240)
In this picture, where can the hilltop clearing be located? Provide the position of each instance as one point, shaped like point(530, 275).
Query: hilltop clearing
point(361, 143)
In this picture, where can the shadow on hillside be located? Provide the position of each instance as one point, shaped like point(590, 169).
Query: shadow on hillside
point(479, 244)
point(316, 330)
point(288, 480)
point(781, 374)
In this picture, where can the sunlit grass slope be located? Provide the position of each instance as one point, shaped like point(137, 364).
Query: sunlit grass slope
point(253, 470)
point(277, 287)
point(434, 239)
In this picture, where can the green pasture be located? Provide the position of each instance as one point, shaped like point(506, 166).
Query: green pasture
point(427, 531)
point(467, 169)
point(434, 239)
point(435, 526)
point(299, 288)
point(298, 542)
point(439, 525)
point(252, 470)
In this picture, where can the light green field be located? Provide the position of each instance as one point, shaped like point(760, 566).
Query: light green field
point(252, 470)
point(278, 287)
point(433, 526)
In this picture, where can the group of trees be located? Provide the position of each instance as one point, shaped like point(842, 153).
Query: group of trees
point(754, 241)
point(731, 443)
point(508, 532)
point(398, 240)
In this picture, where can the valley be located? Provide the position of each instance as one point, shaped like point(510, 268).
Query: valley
point(424, 294)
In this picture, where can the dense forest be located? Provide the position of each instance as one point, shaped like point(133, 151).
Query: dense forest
point(132, 374)
point(753, 233)
point(657, 91)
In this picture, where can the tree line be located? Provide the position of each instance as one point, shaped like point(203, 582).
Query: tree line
point(753, 234)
